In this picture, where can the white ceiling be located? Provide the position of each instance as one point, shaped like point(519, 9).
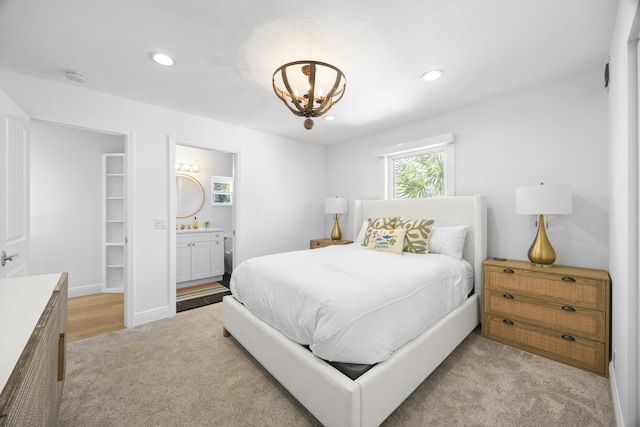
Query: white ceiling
point(227, 51)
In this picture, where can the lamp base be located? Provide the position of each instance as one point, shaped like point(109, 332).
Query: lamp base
point(541, 252)
point(541, 265)
point(336, 233)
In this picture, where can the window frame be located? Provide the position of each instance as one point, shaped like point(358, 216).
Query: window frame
point(440, 143)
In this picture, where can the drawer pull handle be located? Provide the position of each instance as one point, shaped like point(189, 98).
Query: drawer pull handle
point(568, 308)
point(508, 322)
point(508, 270)
point(568, 279)
point(507, 296)
point(568, 338)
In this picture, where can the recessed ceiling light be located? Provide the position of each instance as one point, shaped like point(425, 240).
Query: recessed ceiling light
point(329, 117)
point(75, 76)
point(162, 59)
point(432, 75)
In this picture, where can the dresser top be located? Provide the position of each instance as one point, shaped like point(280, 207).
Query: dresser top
point(22, 301)
point(553, 269)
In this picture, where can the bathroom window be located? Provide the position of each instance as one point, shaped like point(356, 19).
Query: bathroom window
point(221, 191)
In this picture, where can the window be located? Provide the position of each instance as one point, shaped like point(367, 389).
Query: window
point(419, 169)
point(221, 191)
point(418, 176)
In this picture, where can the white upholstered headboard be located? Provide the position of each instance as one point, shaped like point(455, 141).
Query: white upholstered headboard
point(447, 211)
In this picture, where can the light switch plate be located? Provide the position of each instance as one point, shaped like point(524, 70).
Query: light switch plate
point(160, 223)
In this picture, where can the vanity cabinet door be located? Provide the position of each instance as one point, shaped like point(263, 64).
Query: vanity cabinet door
point(200, 260)
point(217, 257)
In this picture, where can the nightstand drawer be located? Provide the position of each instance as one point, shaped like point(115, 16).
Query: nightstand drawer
point(565, 289)
point(315, 244)
point(570, 349)
point(565, 318)
point(321, 243)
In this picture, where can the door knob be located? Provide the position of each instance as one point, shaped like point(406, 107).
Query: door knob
point(4, 258)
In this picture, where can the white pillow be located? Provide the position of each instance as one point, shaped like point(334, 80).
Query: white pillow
point(362, 232)
point(448, 240)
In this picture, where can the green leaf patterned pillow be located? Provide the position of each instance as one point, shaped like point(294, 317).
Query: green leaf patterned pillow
point(388, 223)
point(416, 239)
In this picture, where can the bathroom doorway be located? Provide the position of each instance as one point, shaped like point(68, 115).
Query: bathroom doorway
point(214, 172)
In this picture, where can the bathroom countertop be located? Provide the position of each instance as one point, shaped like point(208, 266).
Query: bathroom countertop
point(200, 230)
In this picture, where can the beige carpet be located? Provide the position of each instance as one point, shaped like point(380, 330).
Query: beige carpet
point(183, 372)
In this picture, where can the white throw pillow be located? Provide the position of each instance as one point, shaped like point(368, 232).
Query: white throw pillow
point(448, 240)
point(363, 230)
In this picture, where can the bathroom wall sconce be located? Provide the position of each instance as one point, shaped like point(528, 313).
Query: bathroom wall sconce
point(186, 167)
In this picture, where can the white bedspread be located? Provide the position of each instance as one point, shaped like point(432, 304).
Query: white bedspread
point(349, 303)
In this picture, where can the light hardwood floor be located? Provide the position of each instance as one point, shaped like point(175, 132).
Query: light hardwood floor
point(93, 315)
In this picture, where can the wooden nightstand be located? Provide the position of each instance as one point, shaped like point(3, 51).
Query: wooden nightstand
point(562, 313)
point(321, 243)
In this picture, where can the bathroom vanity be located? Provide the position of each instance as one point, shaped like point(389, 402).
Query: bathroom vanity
point(199, 256)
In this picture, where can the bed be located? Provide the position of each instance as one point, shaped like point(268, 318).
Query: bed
point(331, 396)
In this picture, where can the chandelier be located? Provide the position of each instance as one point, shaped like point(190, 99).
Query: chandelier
point(309, 88)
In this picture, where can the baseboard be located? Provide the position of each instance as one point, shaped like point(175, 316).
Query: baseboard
point(151, 315)
point(80, 291)
point(617, 410)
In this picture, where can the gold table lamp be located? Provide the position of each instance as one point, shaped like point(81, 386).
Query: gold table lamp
point(539, 200)
point(336, 205)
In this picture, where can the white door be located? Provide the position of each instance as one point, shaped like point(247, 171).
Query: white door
point(14, 189)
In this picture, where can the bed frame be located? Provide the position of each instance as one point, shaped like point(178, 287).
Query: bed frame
point(333, 398)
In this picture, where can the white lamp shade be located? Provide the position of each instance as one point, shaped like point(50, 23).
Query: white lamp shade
point(336, 205)
point(554, 199)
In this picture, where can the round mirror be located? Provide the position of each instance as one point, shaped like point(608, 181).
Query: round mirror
point(189, 195)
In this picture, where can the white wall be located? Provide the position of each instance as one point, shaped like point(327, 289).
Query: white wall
point(555, 133)
point(67, 202)
point(278, 195)
point(623, 171)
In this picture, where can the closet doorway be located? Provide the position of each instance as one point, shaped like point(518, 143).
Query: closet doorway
point(78, 216)
point(213, 207)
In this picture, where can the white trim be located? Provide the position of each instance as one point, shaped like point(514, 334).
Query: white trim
point(450, 170)
point(615, 397)
point(81, 291)
point(152, 315)
point(129, 201)
point(633, 114)
point(171, 262)
point(417, 145)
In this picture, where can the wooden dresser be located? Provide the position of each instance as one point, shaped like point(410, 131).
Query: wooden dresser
point(321, 243)
point(562, 313)
point(33, 324)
